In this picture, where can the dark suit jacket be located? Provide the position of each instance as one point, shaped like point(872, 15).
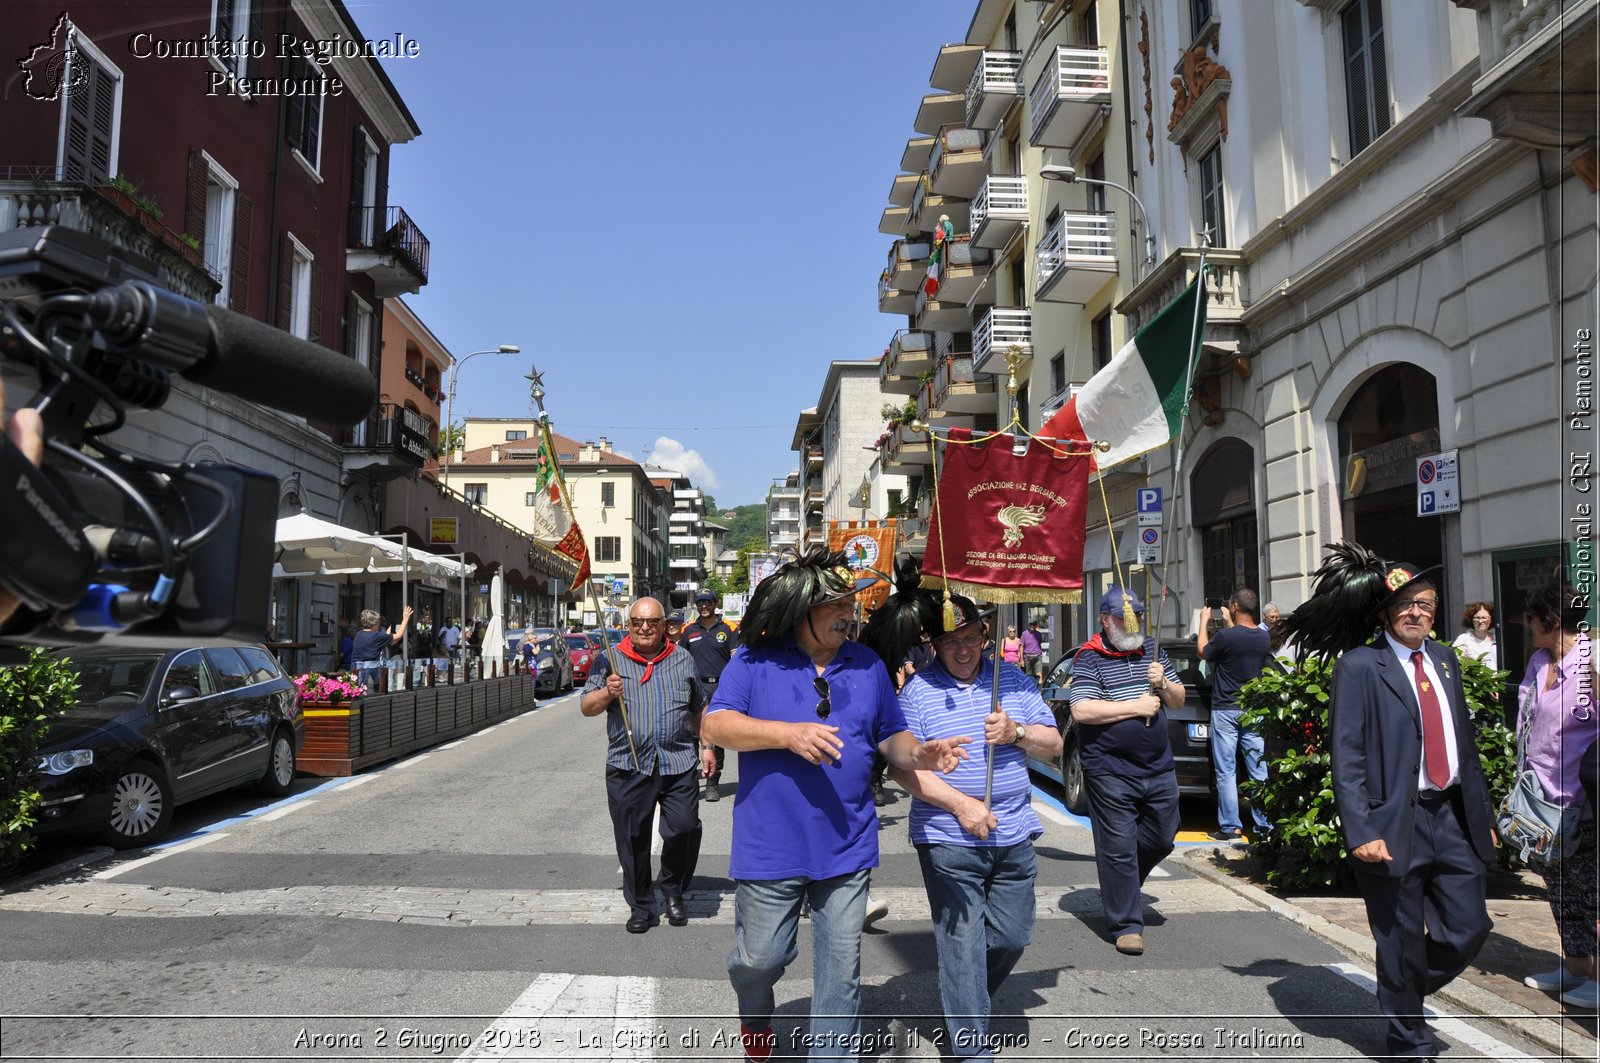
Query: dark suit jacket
point(1376, 728)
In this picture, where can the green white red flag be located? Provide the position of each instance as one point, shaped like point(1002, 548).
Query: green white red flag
point(1136, 402)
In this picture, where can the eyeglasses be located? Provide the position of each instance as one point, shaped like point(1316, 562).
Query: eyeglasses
point(825, 706)
point(976, 642)
point(1425, 606)
point(645, 621)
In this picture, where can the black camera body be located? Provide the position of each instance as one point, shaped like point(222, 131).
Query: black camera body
point(103, 545)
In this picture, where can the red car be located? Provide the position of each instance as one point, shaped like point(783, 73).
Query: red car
point(582, 654)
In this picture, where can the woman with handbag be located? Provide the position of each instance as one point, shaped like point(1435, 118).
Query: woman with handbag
point(1556, 724)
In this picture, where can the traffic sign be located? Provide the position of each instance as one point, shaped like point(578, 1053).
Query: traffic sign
point(1148, 503)
point(1149, 546)
point(1438, 484)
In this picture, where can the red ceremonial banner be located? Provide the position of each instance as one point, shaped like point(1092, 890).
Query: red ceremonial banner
point(573, 546)
point(1007, 528)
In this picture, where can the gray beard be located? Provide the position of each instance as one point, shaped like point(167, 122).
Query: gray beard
point(1124, 642)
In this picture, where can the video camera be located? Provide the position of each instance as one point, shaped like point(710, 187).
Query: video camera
point(100, 544)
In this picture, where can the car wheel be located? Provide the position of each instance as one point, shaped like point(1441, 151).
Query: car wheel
point(141, 807)
point(1072, 782)
point(279, 776)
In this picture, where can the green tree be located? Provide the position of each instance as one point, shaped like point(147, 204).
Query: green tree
point(32, 694)
point(748, 528)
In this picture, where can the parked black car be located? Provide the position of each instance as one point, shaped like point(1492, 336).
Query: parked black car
point(154, 729)
point(1189, 728)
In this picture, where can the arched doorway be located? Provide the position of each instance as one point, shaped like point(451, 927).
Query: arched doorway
point(1390, 421)
point(1223, 489)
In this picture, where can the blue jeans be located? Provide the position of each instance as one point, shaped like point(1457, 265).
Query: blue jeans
point(1226, 740)
point(983, 904)
point(766, 917)
point(1135, 821)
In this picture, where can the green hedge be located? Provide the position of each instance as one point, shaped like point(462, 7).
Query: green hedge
point(1290, 711)
point(31, 695)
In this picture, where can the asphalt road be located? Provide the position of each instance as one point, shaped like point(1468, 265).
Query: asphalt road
point(464, 904)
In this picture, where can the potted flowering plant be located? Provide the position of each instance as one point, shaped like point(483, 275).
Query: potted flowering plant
point(328, 687)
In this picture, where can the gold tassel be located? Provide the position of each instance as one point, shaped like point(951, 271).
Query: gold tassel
point(1130, 619)
point(952, 619)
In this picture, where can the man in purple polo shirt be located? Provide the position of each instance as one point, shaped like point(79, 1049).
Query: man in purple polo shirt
point(805, 708)
point(1032, 649)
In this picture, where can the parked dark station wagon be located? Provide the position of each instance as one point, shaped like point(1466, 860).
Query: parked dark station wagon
point(153, 729)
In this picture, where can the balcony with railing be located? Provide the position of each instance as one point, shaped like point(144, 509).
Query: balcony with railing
point(998, 331)
point(905, 447)
point(893, 300)
point(1067, 95)
point(908, 356)
point(938, 314)
point(896, 221)
point(1535, 58)
point(928, 206)
point(996, 83)
point(395, 257)
point(956, 391)
point(952, 69)
point(1051, 406)
point(902, 276)
point(957, 167)
point(904, 187)
point(999, 210)
point(391, 437)
point(814, 456)
point(30, 196)
point(1076, 258)
point(938, 110)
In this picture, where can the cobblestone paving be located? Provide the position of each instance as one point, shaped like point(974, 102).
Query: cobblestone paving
point(474, 907)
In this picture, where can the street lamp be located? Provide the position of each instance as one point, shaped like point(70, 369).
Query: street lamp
point(450, 403)
point(1069, 175)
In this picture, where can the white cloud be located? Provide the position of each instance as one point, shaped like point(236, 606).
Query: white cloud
point(671, 454)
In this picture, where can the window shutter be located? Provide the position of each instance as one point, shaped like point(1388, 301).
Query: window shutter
point(239, 282)
point(1378, 67)
point(285, 284)
point(350, 326)
point(358, 185)
point(194, 210)
point(314, 322)
point(251, 67)
point(91, 110)
point(295, 111)
point(226, 30)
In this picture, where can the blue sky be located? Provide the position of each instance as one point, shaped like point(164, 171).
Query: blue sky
point(672, 208)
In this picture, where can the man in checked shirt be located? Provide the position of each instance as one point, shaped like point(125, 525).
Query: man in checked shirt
point(655, 680)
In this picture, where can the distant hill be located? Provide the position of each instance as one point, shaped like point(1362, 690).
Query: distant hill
point(747, 527)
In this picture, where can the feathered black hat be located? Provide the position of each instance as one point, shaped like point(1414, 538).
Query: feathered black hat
point(898, 625)
point(803, 581)
point(1352, 587)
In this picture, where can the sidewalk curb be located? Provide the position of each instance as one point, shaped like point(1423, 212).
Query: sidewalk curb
point(1546, 1031)
point(97, 855)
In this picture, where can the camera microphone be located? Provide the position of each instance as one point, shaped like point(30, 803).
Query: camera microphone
point(235, 354)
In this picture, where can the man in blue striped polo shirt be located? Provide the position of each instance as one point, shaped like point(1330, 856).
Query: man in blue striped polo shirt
point(977, 862)
point(655, 680)
point(1121, 681)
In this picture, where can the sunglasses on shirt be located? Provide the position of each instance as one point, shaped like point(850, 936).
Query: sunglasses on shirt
point(825, 706)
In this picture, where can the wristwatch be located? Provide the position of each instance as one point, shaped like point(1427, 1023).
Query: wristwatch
point(1022, 732)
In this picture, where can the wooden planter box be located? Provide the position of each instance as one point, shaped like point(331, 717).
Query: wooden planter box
point(344, 739)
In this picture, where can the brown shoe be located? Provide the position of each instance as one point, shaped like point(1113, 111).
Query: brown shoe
point(1132, 944)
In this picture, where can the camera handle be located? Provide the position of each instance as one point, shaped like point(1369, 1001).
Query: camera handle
point(48, 560)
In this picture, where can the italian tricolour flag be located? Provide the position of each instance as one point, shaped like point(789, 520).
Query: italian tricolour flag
point(1136, 402)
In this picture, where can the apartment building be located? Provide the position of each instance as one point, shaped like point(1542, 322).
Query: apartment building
point(623, 514)
point(835, 441)
point(269, 202)
point(784, 512)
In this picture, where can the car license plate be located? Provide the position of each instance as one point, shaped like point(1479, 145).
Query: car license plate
point(1199, 732)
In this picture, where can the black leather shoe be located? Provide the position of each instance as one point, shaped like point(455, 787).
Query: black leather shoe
point(639, 924)
point(677, 915)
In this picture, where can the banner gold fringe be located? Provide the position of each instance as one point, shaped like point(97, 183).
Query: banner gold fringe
point(1004, 595)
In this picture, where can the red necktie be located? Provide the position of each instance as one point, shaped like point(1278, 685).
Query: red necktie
point(1435, 760)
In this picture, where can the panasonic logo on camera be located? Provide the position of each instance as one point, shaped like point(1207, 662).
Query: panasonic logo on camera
point(51, 517)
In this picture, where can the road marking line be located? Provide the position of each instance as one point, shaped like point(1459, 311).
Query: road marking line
point(404, 764)
point(501, 1036)
point(451, 745)
point(113, 872)
point(279, 813)
point(357, 781)
point(1447, 1024)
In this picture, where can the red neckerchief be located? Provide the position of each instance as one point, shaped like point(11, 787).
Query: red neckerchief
point(1098, 643)
point(625, 647)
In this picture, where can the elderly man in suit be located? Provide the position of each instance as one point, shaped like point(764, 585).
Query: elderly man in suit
point(1411, 794)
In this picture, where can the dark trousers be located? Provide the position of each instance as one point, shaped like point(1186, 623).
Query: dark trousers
point(708, 687)
point(1135, 821)
point(1428, 923)
point(633, 798)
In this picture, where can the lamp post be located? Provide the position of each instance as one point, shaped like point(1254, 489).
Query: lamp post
point(450, 403)
point(1069, 175)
